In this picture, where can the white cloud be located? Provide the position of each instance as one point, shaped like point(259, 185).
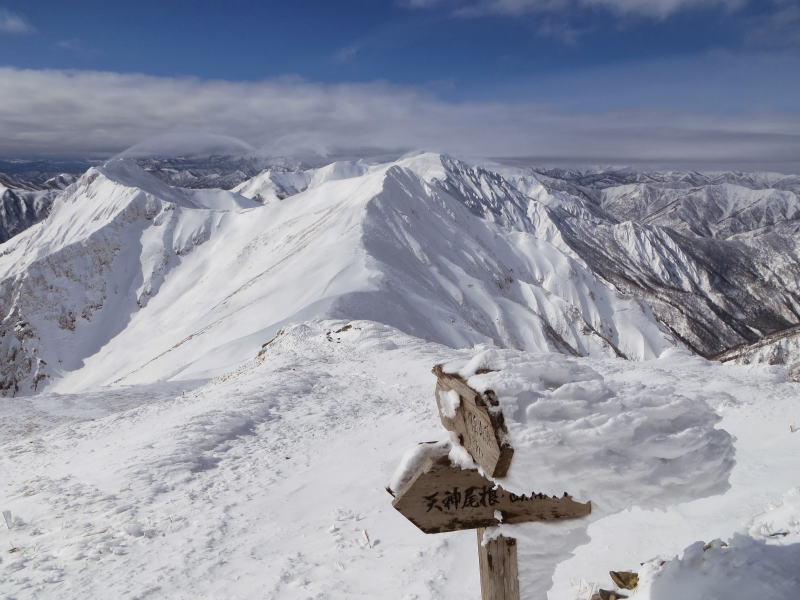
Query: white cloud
point(81, 112)
point(13, 23)
point(650, 8)
point(661, 8)
point(561, 31)
point(422, 3)
point(347, 53)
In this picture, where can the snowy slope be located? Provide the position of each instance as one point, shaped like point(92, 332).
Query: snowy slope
point(25, 198)
point(716, 256)
point(269, 481)
point(131, 281)
point(72, 282)
point(277, 183)
point(718, 211)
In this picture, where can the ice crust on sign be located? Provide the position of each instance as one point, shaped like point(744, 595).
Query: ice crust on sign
point(616, 444)
point(413, 460)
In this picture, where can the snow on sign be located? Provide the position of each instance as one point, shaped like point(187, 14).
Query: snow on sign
point(443, 497)
point(474, 418)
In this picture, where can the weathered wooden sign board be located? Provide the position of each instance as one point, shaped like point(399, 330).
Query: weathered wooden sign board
point(477, 422)
point(442, 497)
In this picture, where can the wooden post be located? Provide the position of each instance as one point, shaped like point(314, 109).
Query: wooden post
point(498, 564)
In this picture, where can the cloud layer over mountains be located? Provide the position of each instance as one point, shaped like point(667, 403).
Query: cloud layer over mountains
point(56, 112)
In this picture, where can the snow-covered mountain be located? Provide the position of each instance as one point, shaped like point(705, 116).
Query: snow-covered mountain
point(130, 280)
point(215, 171)
point(716, 256)
point(33, 175)
point(19, 209)
point(607, 263)
point(279, 182)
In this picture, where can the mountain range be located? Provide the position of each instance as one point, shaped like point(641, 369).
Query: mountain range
point(119, 276)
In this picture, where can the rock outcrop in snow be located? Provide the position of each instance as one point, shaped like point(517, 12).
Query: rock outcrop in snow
point(782, 348)
point(19, 209)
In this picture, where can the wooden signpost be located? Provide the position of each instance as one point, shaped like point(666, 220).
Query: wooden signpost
point(441, 497)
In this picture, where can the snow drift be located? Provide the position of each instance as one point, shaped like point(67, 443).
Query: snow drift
point(600, 437)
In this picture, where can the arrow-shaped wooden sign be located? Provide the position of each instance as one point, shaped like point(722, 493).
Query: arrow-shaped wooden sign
point(442, 497)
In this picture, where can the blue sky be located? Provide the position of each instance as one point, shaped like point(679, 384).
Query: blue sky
point(608, 58)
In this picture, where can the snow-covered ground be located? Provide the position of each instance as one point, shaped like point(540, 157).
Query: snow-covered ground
point(206, 392)
point(268, 482)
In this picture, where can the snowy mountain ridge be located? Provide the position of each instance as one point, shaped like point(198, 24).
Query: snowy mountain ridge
point(719, 265)
point(206, 276)
point(453, 252)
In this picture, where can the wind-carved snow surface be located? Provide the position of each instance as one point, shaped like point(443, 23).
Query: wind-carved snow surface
point(657, 445)
point(132, 281)
point(269, 480)
point(742, 567)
